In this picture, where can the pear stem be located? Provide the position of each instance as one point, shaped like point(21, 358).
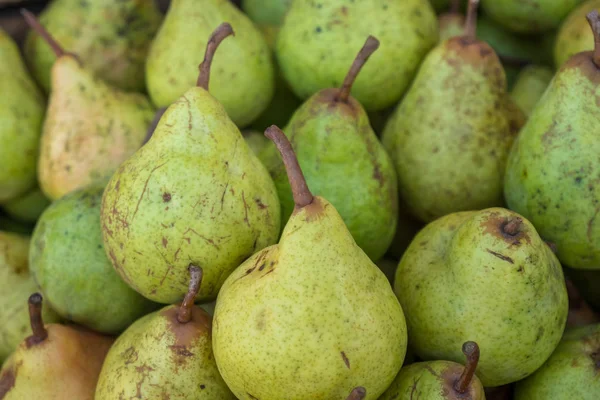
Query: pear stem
point(471, 21)
point(455, 6)
point(35, 318)
point(34, 24)
point(184, 315)
point(594, 22)
point(471, 351)
point(300, 190)
point(358, 393)
point(513, 226)
point(371, 44)
point(214, 41)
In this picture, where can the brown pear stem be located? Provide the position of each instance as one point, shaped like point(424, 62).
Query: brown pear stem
point(371, 44)
point(35, 318)
point(513, 226)
point(358, 393)
point(471, 21)
point(157, 116)
point(455, 6)
point(184, 315)
point(594, 22)
point(214, 41)
point(471, 351)
point(300, 190)
point(34, 24)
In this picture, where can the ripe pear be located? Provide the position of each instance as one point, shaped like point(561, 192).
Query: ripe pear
point(452, 23)
point(451, 134)
point(111, 37)
point(574, 35)
point(68, 262)
point(315, 299)
point(552, 175)
point(90, 127)
point(15, 285)
point(439, 380)
point(479, 260)
point(56, 362)
point(21, 116)
point(337, 148)
point(317, 38)
point(530, 85)
point(570, 373)
point(28, 207)
point(156, 220)
point(165, 355)
point(244, 77)
point(266, 12)
point(255, 140)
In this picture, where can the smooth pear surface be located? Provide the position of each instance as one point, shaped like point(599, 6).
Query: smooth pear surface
point(266, 12)
point(530, 85)
point(574, 35)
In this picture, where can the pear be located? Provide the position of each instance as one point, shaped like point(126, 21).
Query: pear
point(56, 362)
point(266, 12)
point(439, 380)
point(255, 140)
point(21, 116)
point(574, 36)
point(15, 285)
point(156, 220)
point(451, 23)
point(479, 260)
point(531, 84)
point(165, 355)
point(315, 299)
point(244, 77)
point(557, 154)
point(570, 373)
point(28, 207)
point(317, 39)
point(111, 37)
point(68, 262)
point(90, 127)
point(451, 134)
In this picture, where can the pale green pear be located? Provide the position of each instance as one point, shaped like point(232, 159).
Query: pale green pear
point(496, 283)
point(531, 84)
point(311, 317)
point(243, 73)
point(574, 35)
point(111, 37)
point(255, 140)
point(317, 38)
point(266, 12)
point(28, 207)
point(195, 193)
point(21, 116)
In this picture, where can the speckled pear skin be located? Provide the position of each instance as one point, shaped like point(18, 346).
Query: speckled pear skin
point(21, 114)
point(574, 35)
point(16, 285)
point(531, 16)
point(90, 129)
point(68, 262)
point(316, 300)
point(431, 380)
point(553, 172)
point(195, 193)
point(112, 37)
point(318, 40)
point(570, 373)
point(531, 84)
point(243, 75)
point(160, 358)
point(507, 293)
point(28, 207)
point(451, 134)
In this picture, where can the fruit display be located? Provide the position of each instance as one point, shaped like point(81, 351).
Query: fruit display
point(300, 199)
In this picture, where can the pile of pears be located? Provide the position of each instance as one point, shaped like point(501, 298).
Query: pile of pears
point(300, 199)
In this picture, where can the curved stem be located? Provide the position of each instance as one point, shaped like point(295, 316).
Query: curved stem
point(471, 350)
point(594, 22)
point(513, 226)
point(300, 190)
point(471, 21)
point(455, 6)
point(214, 41)
point(358, 393)
point(371, 44)
point(34, 24)
point(35, 318)
point(184, 315)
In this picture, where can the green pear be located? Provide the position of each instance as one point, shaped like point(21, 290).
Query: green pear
point(574, 35)
point(439, 380)
point(452, 23)
point(156, 220)
point(21, 116)
point(530, 85)
point(496, 282)
point(552, 172)
point(266, 12)
point(16, 285)
point(255, 140)
point(531, 16)
point(244, 77)
point(317, 39)
point(111, 37)
point(68, 262)
point(311, 317)
point(570, 373)
point(28, 207)
point(451, 134)
point(165, 355)
point(90, 126)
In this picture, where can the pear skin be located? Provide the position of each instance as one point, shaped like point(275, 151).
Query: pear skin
point(451, 23)
point(28, 207)
point(531, 84)
point(574, 35)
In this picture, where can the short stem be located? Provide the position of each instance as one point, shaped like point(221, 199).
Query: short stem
point(184, 315)
point(371, 44)
point(215, 39)
point(300, 190)
point(157, 116)
point(594, 22)
point(455, 6)
point(471, 351)
point(471, 21)
point(34, 24)
point(35, 318)
point(513, 226)
point(358, 393)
